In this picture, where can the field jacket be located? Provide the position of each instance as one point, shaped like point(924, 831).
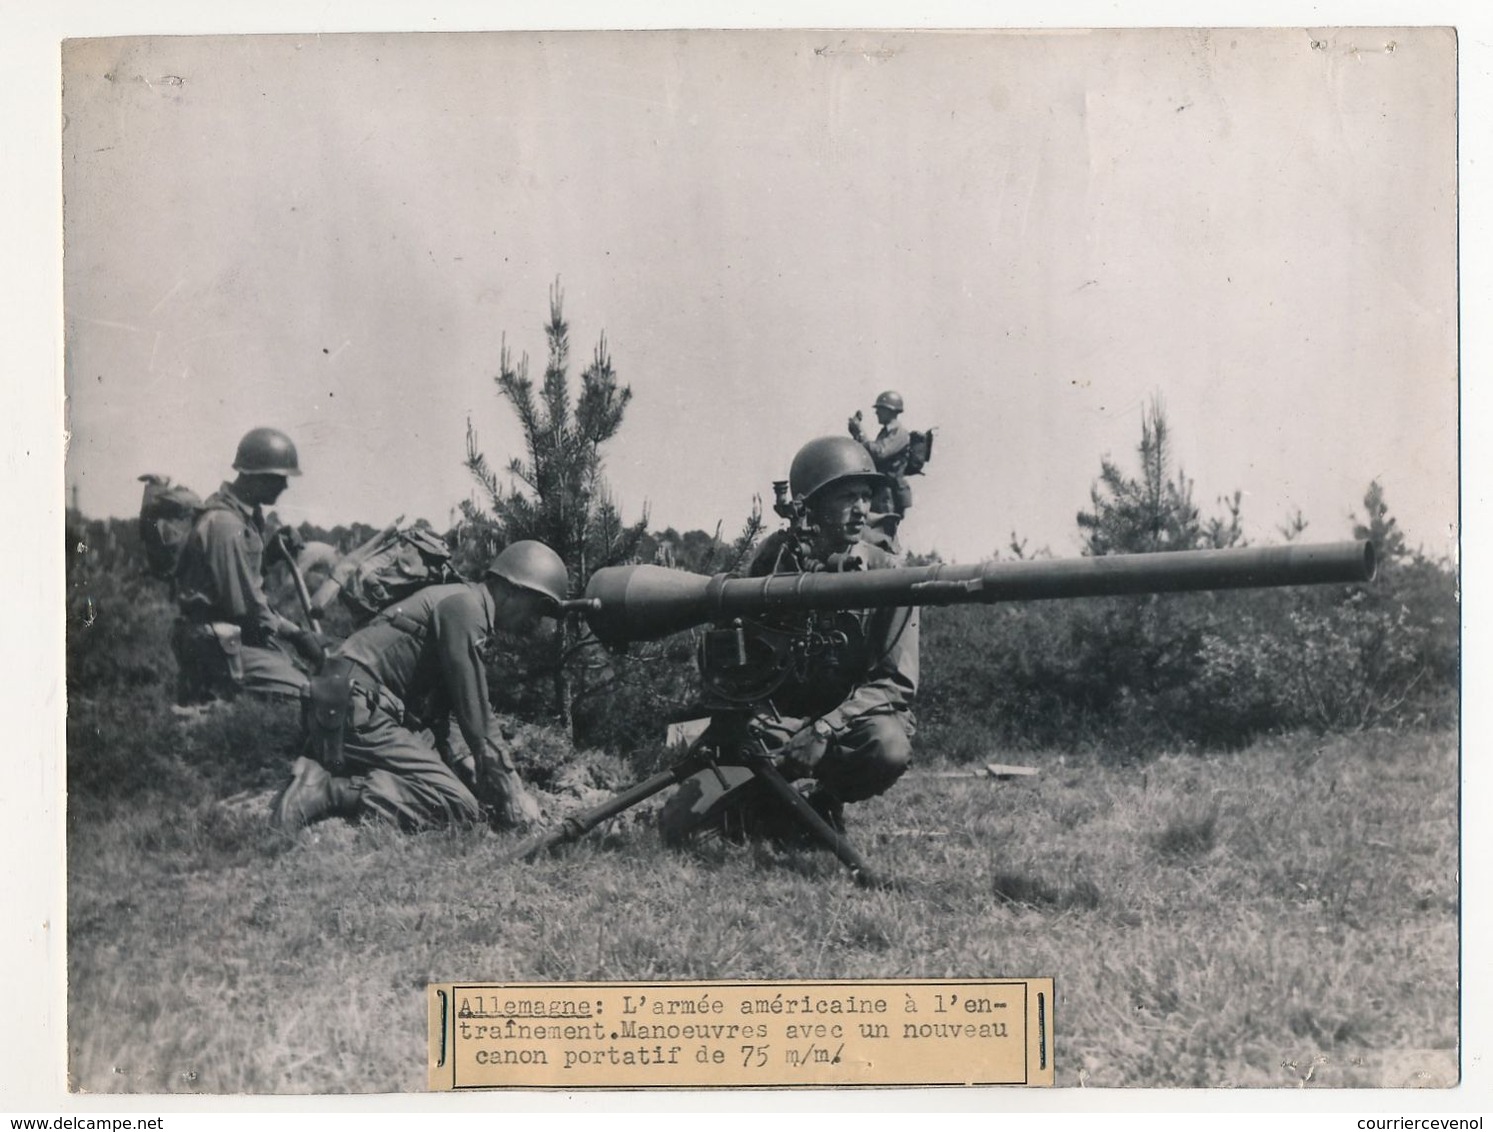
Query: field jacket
point(220, 571)
point(887, 680)
point(427, 651)
point(889, 452)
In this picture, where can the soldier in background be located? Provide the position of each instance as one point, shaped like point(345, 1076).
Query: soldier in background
point(227, 639)
point(890, 452)
point(406, 673)
point(845, 728)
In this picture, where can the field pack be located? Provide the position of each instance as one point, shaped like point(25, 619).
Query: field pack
point(168, 511)
point(391, 566)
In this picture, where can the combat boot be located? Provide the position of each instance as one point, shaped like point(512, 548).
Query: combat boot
point(788, 831)
point(312, 795)
point(830, 808)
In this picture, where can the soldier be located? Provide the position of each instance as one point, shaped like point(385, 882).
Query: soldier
point(890, 452)
point(410, 669)
point(848, 733)
point(227, 639)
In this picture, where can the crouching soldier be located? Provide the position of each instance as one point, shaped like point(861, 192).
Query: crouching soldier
point(408, 671)
point(227, 638)
point(844, 727)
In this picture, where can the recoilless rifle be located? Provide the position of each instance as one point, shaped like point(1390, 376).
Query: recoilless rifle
point(764, 630)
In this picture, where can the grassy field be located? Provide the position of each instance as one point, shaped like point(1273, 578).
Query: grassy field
point(1282, 916)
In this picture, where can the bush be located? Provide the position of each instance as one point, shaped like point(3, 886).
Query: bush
point(118, 617)
point(1209, 670)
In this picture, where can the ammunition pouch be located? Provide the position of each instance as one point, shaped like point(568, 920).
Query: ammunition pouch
point(328, 704)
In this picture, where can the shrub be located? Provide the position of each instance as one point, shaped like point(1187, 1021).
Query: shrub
point(1211, 670)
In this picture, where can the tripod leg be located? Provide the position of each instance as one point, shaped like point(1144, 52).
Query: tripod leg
point(837, 841)
point(578, 825)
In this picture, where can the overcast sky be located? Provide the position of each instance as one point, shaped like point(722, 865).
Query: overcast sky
point(1028, 235)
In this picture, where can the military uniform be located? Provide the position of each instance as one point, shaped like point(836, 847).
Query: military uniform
point(411, 669)
point(865, 717)
point(889, 452)
point(868, 726)
point(227, 639)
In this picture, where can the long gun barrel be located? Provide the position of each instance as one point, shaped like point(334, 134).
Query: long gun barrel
point(640, 603)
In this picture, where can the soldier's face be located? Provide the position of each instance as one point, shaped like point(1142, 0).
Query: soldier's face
point(263, 487)
point(521, 610)
point(841, 511)
point(885, 415)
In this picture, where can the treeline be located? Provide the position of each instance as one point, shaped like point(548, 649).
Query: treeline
point(1206, 670)
point(1120, 675)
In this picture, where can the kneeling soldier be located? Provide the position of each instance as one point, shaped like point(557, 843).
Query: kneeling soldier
point(227, 638)
point(410, 669)
point(845, 729)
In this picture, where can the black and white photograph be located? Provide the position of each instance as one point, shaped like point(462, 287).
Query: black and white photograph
point(693, 504)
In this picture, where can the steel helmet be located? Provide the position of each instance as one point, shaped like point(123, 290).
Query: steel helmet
point(891, 399)
point(266, 452)
point(533, 566)
point(828, 460)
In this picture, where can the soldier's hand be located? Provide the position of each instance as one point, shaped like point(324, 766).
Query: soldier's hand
point(802, 752)
point(309, 645)
point(509, 805)
point(855, 426)
point(466, 770)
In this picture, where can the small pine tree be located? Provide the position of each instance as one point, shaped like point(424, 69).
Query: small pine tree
point(559, 494)
point(1380, 526)
point(1294, 526)
point(1155, 511)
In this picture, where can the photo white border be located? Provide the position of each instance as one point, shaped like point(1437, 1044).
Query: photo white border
point(33, 1003)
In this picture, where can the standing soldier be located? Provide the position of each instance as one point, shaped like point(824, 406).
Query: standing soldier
point(227, 639)
point(409, 670)
point(845, 726)
point(890, 452)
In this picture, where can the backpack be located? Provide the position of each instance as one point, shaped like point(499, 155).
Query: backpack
point(391, 566)
point(919, 452)
point(168, 512)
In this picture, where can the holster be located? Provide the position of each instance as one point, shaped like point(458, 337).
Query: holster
point(328, 704)
point(230, 640)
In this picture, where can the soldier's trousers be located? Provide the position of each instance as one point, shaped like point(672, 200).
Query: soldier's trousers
point(405, 780)
point(859, 764)
point(271, 672)
point(862, 762)
point(213, 663)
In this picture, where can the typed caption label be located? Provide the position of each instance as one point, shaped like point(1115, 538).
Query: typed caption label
point(741, 1034)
